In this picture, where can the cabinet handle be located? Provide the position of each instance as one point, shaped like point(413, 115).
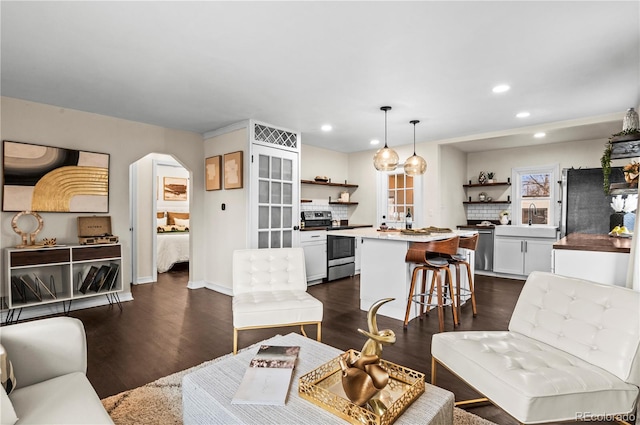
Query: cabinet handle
point(316, 236)
point(521, 246)
point(525, 246)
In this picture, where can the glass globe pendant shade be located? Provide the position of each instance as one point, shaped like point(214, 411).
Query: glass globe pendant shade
point(415, 165)
point(385, 159)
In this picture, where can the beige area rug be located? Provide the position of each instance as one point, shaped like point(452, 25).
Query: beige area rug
point(160, 403)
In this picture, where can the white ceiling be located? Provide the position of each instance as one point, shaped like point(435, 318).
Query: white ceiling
point(199, 66)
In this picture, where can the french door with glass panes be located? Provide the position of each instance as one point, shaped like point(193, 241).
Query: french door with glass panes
point(275, 203)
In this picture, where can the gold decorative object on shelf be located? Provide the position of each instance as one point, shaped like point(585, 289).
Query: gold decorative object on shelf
point(360, 386)
point(49, 241)
point(31, 242)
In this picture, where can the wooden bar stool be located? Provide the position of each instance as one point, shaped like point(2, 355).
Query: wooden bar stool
point(432, 257)
point(470, 243)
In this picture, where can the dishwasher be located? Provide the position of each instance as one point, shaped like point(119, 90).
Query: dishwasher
point(484, 250)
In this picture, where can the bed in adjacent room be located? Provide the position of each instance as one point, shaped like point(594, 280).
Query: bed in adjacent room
point(172, 240)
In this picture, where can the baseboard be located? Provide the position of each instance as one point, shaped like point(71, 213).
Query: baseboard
point(196, 285)
point(144, 279)
point(57, 308)
point(219, 288)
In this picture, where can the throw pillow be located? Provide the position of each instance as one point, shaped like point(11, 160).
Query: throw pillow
point(181, 222)
point(7, 379)
point(7, 412)
point(162, 221)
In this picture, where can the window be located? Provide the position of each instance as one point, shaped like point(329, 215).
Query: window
point(535, 195)
point(397, 193)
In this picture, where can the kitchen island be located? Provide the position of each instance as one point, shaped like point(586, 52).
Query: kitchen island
point(595, 257)
point(383, 271)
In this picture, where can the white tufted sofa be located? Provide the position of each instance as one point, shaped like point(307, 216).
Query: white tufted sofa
point(571, 352)
point(270, 290)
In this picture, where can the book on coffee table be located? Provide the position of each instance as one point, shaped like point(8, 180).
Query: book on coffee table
point(268, 377)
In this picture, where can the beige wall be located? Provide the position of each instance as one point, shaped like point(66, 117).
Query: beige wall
point(584, 153)
point(126, 142)
point(225, 231)
point(453, 163)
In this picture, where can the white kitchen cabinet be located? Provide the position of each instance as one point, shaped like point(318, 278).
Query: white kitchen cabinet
point(521, 256)
point(609, 268)
point(314, 244)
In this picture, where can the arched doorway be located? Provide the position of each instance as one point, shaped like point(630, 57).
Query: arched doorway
point(160, 189)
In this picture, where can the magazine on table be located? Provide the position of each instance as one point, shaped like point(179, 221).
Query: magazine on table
point(268, 377)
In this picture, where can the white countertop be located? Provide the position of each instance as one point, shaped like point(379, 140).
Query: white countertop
point(371, 233)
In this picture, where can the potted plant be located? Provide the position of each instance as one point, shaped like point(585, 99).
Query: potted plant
point(605, 160)
point(490, 175)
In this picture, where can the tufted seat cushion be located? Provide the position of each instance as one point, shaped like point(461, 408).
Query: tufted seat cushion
point(268, 308)
point(531, 380)
point(572, 350)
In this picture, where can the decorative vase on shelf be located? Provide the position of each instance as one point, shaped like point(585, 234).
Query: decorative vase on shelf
point(482, 177)
point(630, 120)
point(616, 219)
point(629, 221)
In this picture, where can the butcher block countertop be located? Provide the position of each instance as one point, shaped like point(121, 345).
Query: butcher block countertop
point(590, 242)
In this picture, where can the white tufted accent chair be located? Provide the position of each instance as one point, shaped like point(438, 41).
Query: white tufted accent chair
point(270, 290)
point(571, 352)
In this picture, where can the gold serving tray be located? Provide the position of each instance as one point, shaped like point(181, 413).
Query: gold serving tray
point(323, 387)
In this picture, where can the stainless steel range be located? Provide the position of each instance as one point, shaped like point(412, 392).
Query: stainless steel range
point(341, 250)
point(316, 218)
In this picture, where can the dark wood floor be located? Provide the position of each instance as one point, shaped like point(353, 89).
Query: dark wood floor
point(168, 328)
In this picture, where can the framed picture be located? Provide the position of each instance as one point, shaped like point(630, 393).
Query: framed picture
point(213, 173)
point(233, 170)
point(49, 179)
point(175, 189)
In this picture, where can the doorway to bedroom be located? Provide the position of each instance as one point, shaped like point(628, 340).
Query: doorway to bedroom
point(160, 191)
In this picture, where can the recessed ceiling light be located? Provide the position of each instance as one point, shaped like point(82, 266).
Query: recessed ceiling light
point(523, 114)
point(326, 127)
point(374, 142)
point(501, 88)
point(539, 135)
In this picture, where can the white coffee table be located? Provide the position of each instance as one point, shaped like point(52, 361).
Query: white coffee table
point(207, 393)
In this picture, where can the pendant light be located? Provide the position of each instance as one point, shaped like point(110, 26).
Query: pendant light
point(385, 159)
point(415, 165)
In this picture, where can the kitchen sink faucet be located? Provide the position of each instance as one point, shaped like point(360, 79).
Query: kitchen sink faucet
point(535, 212)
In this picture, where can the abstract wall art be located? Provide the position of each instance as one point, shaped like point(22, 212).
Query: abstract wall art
point(175, 189)
point(213, 173)
point(233, 170)
point(50, 179)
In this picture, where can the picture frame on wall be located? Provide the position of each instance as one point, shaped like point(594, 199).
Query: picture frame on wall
point(233, 170)
point(175, 189)
point(213, 173)
point(52, 179)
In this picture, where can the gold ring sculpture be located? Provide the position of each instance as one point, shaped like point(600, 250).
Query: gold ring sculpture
point(32, 235)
